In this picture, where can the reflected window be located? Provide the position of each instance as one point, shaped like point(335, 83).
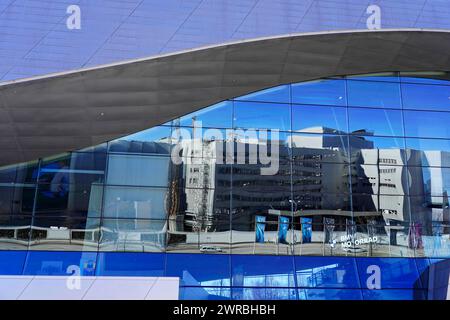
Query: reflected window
point(377, 150)
point(379, 179)
point(128, 235)
point(320, 177)
point(319, 147)
point(137, 170)
point(14, 232)
point(65, 233)
point(16, 199)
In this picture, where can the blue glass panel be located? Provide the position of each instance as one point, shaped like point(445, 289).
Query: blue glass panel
point(130, 264)
point(333, 294)
point(56, 263)
point(427, 124)
point(262, 271)
point(278, 94)
point(153, 140)
point(16, 199)
point(264, 294)
point(324, 92)
point(12, 262)
point(262, 115)
point(326, 272)
point(426, 97)
point(307, 118)
point(373, 94)
point(190, 268)
point(395, 273)
point(380, 122)
point(204, 293)
point(216, 116)
point(393, 294)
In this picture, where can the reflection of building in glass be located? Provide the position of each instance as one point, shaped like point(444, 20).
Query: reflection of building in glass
point(344, 185)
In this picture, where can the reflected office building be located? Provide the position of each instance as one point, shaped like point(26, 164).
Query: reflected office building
point(278, 189)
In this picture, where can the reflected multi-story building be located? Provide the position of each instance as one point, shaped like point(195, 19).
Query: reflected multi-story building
point(340, 185)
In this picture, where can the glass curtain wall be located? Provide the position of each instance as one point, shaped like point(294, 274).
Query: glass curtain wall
point(345, 166)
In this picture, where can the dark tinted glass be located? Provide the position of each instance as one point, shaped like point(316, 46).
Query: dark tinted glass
point(379, 179)
point(71, 168)
point(16, 199)
point(71, 200)
point(21, 173)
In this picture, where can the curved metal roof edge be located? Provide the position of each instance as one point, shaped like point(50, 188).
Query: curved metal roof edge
point(207, 47)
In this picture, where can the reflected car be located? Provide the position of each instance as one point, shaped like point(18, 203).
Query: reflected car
point(206, 249)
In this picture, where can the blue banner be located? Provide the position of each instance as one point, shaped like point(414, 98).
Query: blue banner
point(259, 228)
point(306, 229)
point(283, 226)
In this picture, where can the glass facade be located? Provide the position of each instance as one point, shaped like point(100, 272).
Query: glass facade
point(251, 197)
